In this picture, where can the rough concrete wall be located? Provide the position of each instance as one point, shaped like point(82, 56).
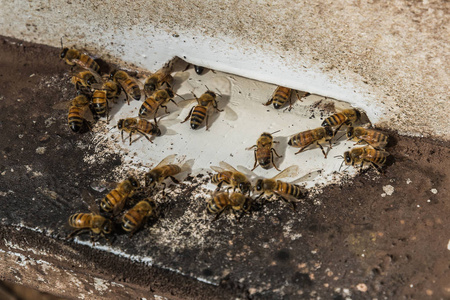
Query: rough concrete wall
point(389, 57)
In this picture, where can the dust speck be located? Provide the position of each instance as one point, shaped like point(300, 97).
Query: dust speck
point(388, 189)
point(434, 191)
point(40, 150)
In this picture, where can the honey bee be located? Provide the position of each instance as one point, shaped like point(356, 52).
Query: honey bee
point(347, 117)
point(128, 84)
point(366, 154)
point(83, 81)
point(221, 201)
point(373, 137)
point(78, 107)
point(74, 57)
point(93, 221)
point(306, 138)
point(281, 96)
point(165, 169)
point(158, 79)
point(230, 176)
point(264, 151)
point(200, 112)
point(288, 192)
point(96, 223)
point(115, 200)
point(134, 218)
point(100, 103)
point(112, 89)
point(142, 126)
point(158, 99)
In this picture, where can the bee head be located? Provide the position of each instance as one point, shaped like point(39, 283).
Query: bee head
point(259, 185)
point(107, 227)
point(64, 52)
point(329, 131)
point(134, 182)
point(157, 131)
point(120, 124)
point(150, 179)
point(347, 157)
point(244, 187)
point(211, 93)
point(247, 204)
point(350, 131)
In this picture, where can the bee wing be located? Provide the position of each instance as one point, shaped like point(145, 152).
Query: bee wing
point(83, 65)
point(381, 153)
point(217, 169)
point(97, 86)
point(101, 186)
point(227, 166)
point(90, 201)
point(181, 76)
point(167, 161)
point(184, 103)
point(309, 176)
point(62, 105)
point(119, 206)
point(287, 197)
point(288, 172)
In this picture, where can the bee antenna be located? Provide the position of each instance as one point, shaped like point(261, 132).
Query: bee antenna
point(112, 128)
point(276, 131)
point(339, 156)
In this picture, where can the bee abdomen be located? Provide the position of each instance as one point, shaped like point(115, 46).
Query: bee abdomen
point(79, 220)
point(109, 202)
point(334, 120)
point(197, 117)
point(149, 105)
point(99, 102)
point(131, 220)
point(289, 189)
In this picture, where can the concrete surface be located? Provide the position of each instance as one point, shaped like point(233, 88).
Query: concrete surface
point(390, 59)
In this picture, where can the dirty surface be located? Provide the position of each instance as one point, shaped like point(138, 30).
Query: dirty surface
point(370, 237)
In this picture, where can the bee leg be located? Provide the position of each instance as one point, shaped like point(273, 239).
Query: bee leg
point(215, 106)
point(174, 180)
point(165, 108)
point(337, 129)
point(174, 101)
point(250, 148)
point(206, 121)
point(290, 203)
point(121, 133)
point(271, 157)
point(219, 185)
point(303, 148)
point(164, 190)
point(144, 134)
point(131, 134)
point(74, 233)
point(323, 151)
point(107, 112)
point(218, 214)
point(189, 115)
point(379, 170)
point(268, 102)
point(256, 161)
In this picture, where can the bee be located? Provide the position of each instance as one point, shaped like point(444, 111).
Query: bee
point(83, 81)
point(115, 200)
point(288, 192)
point(158, 99)
point(165, 169)
point(264, 151)
point(96, 223)
point(142, 126)
point(112, 89)
point(74, 57)
point(366, 154)
point(230, 176)
point(100, 103)
point(373, 137)
point(281, 96)
point(200, 112)
point(158, 79)
point(128, 84)
point(347, 117)
point(93, 221)
point(78, 107)
point(134, 218)
point(306, 138)
point(221, 201)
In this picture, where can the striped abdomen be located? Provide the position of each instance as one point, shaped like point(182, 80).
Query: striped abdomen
point(146, 126)
point(131, 88)
point(149, 106)
point(86, 62)
point(281, 96)
point(222, 177)
point(307, 137)
point(132, 220)
point(198, 116)
point(378, 157)
point(99, 102)
point(218, 202)
point(289, 189)
point(80, 220)
point(375, 138)
point(334, 120)
point(75, 117)
point(111, 200)
point(264, 155)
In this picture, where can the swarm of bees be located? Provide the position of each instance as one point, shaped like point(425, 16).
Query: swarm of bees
point(96, 91)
